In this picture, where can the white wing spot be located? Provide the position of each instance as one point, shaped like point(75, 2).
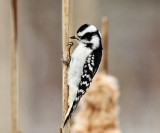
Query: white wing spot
point(90, 79)
point(85, 83)
point(88, 60)
point(81, 91)
point(77, 98)
point(87, 76)
point(90, 67)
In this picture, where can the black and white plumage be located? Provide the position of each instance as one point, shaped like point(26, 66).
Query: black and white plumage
point(84, 64)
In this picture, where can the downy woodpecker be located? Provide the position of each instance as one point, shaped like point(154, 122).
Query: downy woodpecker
point(83, 64)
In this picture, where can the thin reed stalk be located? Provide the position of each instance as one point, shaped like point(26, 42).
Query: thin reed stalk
point(14, 87)
point(104, 32)
point(65, 40)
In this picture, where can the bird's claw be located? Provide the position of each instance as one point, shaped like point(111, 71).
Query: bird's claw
point(66, 62)
point(70, 44)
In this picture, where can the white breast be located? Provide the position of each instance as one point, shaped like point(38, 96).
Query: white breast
point(76, 68)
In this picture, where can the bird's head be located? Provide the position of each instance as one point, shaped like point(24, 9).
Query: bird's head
point(88, 35)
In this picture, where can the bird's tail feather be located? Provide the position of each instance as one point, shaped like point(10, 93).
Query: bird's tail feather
point(68, 115)
point(71, 109)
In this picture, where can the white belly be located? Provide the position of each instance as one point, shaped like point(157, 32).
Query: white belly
point(78, 59)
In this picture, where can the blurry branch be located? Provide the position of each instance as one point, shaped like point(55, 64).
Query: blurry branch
point(104, 32)
point(60, 129)
point(65, 32)
point(14, 87)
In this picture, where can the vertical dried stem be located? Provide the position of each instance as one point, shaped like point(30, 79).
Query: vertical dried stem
point(14, 88)
point(104, 31)
point(65, 28)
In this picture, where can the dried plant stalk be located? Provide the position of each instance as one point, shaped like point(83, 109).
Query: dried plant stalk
point(65, 28)
point(14, 87)
point(104, 32)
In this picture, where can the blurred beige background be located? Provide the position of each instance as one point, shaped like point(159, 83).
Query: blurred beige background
point(134, 53)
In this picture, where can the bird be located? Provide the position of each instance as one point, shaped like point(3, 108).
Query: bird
point(83, 64)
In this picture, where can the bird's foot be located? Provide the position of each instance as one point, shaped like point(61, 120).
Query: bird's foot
point(70, 44)
point(66, 62)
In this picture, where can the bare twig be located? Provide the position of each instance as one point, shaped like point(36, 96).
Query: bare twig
point(65, 23)
point(60, 129)
point(104, 31)
point(14, 88)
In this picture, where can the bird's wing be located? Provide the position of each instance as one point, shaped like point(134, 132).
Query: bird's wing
point(89, 70)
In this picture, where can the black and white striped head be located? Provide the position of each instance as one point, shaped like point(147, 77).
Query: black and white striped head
point(89, 36)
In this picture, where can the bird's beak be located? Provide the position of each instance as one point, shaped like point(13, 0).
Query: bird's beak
point(75, 37)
